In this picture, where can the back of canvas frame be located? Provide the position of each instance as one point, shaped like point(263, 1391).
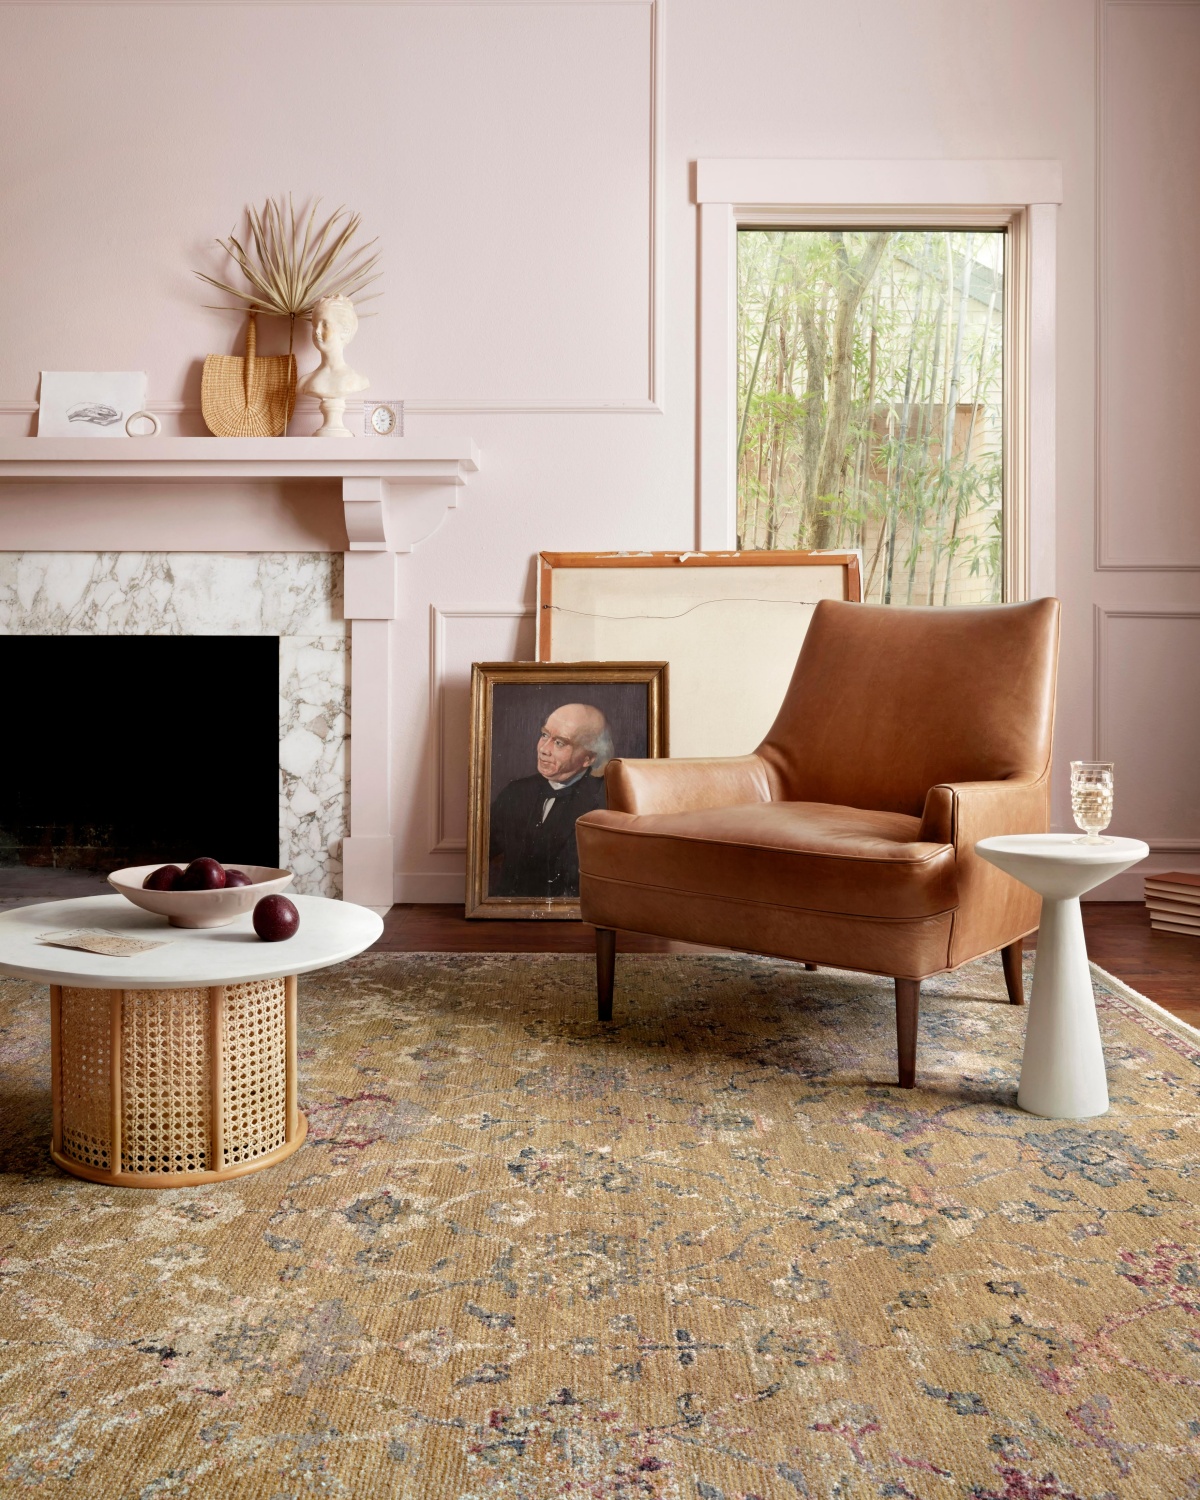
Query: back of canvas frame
point(729, 623)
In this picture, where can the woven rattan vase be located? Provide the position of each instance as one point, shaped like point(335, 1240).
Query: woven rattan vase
point(251, 397)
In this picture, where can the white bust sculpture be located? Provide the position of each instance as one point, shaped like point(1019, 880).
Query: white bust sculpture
point(334, 324)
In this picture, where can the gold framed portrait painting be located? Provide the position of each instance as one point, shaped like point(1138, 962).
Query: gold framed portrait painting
point(541, 736)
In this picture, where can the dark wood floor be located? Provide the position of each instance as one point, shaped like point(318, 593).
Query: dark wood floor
point(1163, 965)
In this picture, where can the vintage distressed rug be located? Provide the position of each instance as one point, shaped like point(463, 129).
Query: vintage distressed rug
point(708, 1251)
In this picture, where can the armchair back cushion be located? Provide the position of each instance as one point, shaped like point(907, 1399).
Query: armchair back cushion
point(887, 702)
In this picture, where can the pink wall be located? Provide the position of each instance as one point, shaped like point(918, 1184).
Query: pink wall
point(504, 155)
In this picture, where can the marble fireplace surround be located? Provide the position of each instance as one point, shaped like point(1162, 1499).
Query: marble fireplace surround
point(295, 537)
point(295, 596)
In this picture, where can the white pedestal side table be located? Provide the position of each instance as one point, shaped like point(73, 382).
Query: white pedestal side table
point(1062, 1071)
point(176, 1066)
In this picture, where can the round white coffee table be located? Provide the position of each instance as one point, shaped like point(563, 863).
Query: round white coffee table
point(1062, 1071)
point(175, 1066)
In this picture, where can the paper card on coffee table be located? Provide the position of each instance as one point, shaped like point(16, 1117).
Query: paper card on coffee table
point(92, 940)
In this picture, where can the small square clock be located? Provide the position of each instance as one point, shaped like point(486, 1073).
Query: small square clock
point(383, 418)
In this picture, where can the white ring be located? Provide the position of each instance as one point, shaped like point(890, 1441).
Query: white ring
point(150, 417)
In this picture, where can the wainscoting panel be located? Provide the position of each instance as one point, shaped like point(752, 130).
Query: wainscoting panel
point(1148, 723)
point(1148, 355)
point(457, 638)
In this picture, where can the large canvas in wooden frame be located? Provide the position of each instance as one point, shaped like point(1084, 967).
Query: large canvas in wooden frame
point(729, 623)
point(541, 735)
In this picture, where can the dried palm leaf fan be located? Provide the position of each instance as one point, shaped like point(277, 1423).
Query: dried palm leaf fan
point(288, 273)
point(250, 397)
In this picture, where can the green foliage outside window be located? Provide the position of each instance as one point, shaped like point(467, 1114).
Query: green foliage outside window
point(870, 404)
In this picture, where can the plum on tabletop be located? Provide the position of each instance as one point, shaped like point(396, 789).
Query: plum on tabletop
point(276, 919)
point(236, 877)
point(203, 875)
point(165, 878)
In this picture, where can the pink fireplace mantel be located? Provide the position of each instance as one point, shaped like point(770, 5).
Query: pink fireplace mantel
point(258, 495)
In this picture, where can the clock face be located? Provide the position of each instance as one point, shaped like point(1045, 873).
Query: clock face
point(383, 420)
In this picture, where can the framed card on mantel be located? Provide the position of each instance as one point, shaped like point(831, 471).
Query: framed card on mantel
point(729, 623)
point(541, 736)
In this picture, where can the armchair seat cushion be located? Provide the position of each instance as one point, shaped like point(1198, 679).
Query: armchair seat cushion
point(809, 856)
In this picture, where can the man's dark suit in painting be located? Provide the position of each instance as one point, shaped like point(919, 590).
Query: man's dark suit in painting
point(532, 857)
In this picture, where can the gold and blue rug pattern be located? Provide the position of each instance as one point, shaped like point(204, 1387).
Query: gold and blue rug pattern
point(709, 1251)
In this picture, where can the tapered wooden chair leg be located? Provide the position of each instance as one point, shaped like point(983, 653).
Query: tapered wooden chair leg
point(1013, 982)
point(606, 964)
point(908, 1004)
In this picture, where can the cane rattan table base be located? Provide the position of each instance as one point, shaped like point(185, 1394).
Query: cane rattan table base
point(171, 1088)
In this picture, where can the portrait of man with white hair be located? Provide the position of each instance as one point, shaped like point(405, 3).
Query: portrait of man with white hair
point(532, 850)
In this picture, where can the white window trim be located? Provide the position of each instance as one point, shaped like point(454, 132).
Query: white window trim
point(1020, 196)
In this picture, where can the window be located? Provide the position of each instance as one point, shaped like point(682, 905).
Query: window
point(870, 403)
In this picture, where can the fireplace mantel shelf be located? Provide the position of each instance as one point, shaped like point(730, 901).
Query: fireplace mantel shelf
point(367, 467)
point(398, 460)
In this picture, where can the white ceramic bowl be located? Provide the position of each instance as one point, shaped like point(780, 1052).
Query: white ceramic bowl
point(200, 908)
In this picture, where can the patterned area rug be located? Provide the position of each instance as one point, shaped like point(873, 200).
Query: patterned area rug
point(708, 1251)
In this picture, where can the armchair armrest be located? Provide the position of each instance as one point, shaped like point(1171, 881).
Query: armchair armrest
point(669, 786)
point(991, 913)
point(964, 812)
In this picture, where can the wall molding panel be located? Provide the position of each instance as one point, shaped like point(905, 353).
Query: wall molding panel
point(1104, 699)
point(439, 842)
point(649, 400)
point(1109, 557)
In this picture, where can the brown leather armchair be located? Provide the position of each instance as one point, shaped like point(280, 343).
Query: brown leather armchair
point(848, 837)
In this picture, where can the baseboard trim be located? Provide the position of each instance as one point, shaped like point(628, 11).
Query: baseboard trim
point(429, 890)
point(367, 862)
point(1130, 886)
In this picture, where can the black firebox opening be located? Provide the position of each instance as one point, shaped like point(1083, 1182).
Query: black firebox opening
point(123, 750)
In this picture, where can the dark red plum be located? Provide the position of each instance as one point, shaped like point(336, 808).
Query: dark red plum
point(236, 877)
point(165, 878)
point(203, 875)
point(275, 919)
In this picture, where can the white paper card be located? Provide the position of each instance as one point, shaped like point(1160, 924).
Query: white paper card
point(94, 940)
point(89, 403)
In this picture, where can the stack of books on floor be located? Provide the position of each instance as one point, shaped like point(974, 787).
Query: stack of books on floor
point(1174, 902)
